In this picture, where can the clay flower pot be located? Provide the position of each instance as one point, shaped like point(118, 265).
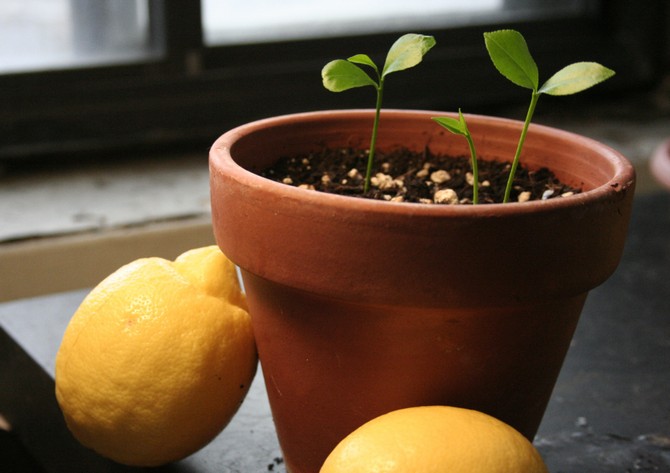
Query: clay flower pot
point(360, 307)
point(660, 164)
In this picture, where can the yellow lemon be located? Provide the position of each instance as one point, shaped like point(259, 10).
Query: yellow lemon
point(157, 358)
point(434, 439)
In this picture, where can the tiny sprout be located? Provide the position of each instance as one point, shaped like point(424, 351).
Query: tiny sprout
point(340, 75)
point(510, 55)
point(459, 127)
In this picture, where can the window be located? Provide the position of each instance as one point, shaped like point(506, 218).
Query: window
point(235, 21)
point(56, 34)
point(229, 22)
point(84, 77)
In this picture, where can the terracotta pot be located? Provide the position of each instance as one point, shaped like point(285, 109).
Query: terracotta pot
point(361, 307)
point(660, 164)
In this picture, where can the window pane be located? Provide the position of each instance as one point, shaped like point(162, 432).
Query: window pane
point(48, 34)
point(246, 21)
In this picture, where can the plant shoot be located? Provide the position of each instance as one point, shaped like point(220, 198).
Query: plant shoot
point(510, 55)
point(459, 127)
point(340, 75)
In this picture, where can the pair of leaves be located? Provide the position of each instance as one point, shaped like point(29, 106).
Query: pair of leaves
point(510, 55)
point(508, 51)
point(406, 52)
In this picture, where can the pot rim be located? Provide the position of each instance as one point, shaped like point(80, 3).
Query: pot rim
point(622, 179)
point(660, 163)
point(296, 237)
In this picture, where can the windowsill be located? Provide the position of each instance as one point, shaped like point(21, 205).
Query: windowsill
point(99, 197)
point(66, 229)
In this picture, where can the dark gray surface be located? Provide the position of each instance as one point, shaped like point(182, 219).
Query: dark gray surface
point(610, 411)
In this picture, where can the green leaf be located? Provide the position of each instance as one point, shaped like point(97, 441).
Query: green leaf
point(510, 55)
point(406, 52)
point(576, 78)
point(455, 126)
point(363, 59)
point(458, 127)
point(340, 75)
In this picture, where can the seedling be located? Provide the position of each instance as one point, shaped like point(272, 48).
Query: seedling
point(510, 55)
point(340, 75)
point(459, 127)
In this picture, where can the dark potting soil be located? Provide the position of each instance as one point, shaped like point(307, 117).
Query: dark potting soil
point(405, 176)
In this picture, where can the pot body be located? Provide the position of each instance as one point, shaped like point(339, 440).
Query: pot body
point(361, 307)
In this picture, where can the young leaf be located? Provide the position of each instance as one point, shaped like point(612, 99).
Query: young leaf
point(460, 127)
point(365, 60)
point(451, 124)
point(340, 75)
point(406, 52)
point(575, 78)
point(510, 55)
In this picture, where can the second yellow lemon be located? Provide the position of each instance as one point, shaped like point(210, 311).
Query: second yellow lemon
point(434, 439)
point(157, 359)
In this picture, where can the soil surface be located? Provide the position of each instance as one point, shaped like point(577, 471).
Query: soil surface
point(405, 176)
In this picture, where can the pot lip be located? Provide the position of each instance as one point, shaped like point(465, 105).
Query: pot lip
point(623, 178)
point(660, 163)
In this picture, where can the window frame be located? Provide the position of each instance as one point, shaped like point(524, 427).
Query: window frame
point(193, 93)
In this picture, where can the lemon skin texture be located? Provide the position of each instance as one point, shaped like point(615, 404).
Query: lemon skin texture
point(434, 439)
point(157, 358)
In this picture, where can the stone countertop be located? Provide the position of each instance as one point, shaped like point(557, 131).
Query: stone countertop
point(610, 410)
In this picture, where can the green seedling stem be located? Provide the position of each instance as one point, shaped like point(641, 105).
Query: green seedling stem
point(510, 55)
point(460, 127)
point(475, 169)
point(373, 139)
point(340, 75)
point(522, 140)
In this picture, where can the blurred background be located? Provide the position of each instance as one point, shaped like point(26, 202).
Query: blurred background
point(78, 76)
